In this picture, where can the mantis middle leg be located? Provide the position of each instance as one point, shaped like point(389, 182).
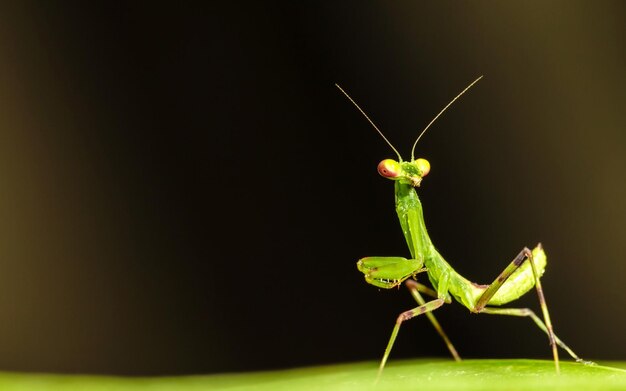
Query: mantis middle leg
point(406, 315)
point(415, 288)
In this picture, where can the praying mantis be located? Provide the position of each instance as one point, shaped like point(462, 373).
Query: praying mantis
point(520, 276)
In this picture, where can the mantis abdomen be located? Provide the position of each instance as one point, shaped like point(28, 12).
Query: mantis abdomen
point(468, 293)
point(522, 279)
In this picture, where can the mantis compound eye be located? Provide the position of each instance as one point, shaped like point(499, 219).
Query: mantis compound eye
point(389, 168)
point(423, 166)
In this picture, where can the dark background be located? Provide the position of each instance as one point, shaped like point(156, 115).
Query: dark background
point(183, 189)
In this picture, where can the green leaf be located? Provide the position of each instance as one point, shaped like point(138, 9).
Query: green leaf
point(423, 374)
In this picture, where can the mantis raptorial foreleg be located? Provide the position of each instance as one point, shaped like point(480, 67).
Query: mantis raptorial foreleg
point(501, 279)
point(530, 313)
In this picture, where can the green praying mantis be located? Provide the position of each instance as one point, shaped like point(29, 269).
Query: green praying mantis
point(515, 280)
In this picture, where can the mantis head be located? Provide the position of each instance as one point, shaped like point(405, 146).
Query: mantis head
point(406, 172)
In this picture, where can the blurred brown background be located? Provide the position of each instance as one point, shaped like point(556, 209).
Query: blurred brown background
point(183, 189)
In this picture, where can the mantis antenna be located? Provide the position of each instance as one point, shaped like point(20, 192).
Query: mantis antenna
point(437, 116)
point(372, 122)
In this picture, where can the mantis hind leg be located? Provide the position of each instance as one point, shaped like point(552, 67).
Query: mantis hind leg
point(525, 254)
point(415, 288)
point(530, 313)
